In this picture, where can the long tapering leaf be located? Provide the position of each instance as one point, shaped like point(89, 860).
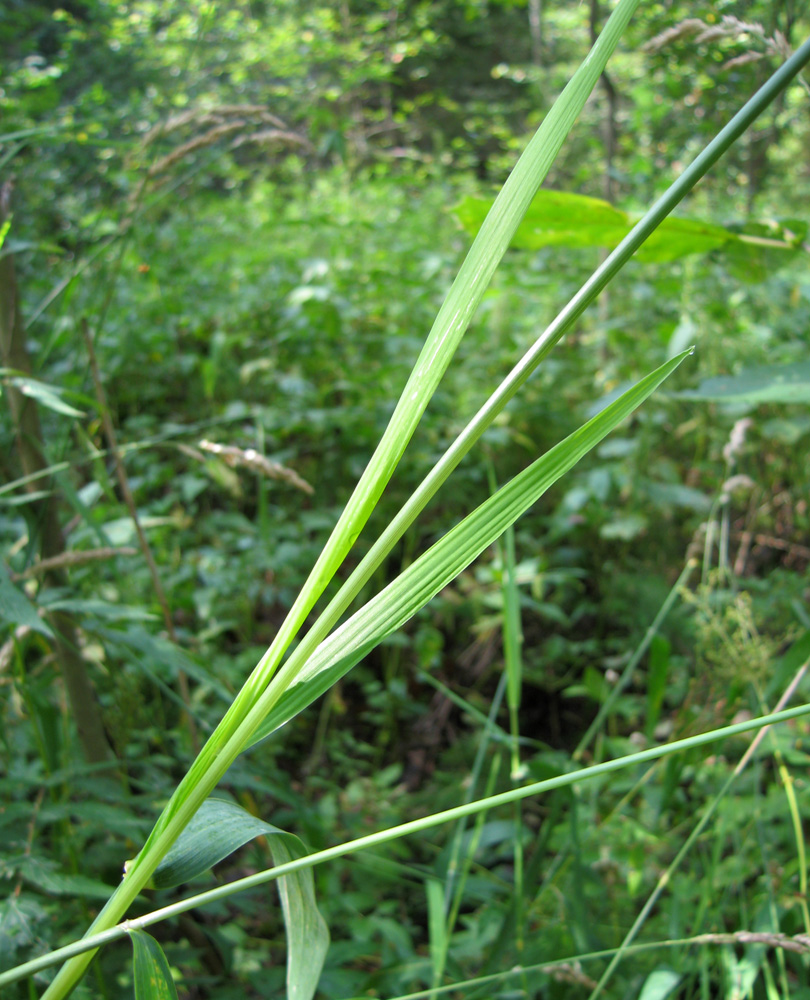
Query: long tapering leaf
point(434, 569)
point(451, 323)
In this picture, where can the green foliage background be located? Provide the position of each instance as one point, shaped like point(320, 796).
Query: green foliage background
point(257, 208)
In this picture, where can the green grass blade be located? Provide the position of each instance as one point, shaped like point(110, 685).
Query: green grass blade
point(471, 784)
point(458, 308)
point(297, 684)
point(437, 930)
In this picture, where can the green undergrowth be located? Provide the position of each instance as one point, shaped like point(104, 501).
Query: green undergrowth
point(285, 319)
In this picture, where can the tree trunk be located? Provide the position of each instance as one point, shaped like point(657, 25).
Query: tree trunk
point(81, 693)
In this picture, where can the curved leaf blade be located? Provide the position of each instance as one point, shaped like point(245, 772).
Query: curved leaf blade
point(218, 829)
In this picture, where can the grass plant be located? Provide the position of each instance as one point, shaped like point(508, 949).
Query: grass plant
point(279, 688)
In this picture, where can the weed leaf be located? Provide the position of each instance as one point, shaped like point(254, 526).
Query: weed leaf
point(46, 395)
point(560, 218)
point(765, 384)
point(153, 978)
point(15, 607)
point(217, 830)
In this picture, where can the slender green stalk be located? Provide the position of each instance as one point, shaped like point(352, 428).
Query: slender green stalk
point(690, 841)
point(92, 942)
point(458, 895)
point(513, 666)
point(512, 642)
point(455, 847)
point(635, 659)
point(492, 730)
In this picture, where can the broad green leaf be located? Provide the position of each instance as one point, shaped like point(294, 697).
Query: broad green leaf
point(767, 384)
point(217, 830)
point(46, 395)
point(153, 978)
point(660, 984)
point(16, 609)
point(678, 237)
point(554, 218)
point(559, 218)
point(433, 570)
